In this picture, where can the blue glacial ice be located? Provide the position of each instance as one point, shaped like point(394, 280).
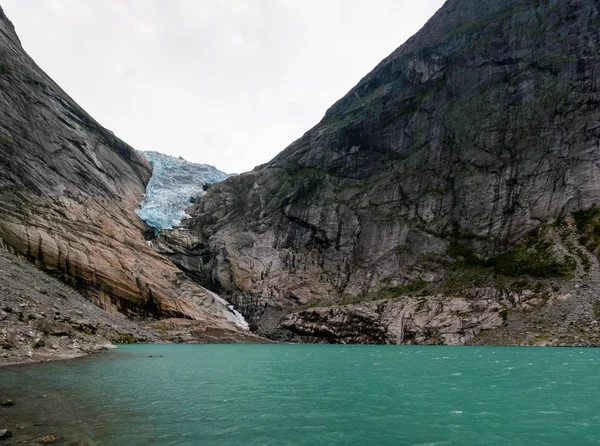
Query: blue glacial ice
point(174, 186)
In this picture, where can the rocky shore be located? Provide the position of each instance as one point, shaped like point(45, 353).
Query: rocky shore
point(43, 319)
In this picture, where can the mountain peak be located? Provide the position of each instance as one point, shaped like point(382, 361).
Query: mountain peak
point(478, 130)
point(7, 27)
point(69, 189)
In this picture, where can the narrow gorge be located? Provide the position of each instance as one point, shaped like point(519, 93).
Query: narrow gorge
point(450, 198)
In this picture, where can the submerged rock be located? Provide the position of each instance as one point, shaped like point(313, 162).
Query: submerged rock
point(80, 443)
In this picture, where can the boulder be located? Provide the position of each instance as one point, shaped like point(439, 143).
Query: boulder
point(5, 433)
point(53, 328)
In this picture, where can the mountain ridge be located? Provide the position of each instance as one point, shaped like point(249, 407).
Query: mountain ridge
point(475, 132)
point(69, 189)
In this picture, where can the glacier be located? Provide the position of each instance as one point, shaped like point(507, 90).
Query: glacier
point(174, 186)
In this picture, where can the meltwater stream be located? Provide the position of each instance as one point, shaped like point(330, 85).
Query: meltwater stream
point(309, 394)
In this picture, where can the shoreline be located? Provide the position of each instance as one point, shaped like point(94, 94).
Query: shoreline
point(41, 359)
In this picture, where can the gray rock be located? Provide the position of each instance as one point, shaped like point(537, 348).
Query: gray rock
point(416, 321)
point(480, 128)
point(69, 189)
point(53, 328)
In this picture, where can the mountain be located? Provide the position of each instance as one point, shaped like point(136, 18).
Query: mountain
point(447, 197)
point(175, 184)
point(69, 189)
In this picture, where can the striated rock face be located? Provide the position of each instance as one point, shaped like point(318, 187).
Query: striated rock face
point(480, 128)
point(421, 321)
point(41, 318)
point(199, 332)
point(68, 193)
point(175, 184)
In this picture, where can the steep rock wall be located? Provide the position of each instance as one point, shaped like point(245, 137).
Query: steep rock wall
point(68, 193)
point(480, 128)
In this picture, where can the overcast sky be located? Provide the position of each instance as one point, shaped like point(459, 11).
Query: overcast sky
point(224, 82)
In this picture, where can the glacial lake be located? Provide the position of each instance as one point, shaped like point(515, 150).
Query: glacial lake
point(310, 395)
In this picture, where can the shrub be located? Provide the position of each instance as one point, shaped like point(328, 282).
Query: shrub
point(534, 262)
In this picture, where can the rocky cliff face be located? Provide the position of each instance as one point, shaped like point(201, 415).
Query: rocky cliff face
point(68, 193)
point(478, 130)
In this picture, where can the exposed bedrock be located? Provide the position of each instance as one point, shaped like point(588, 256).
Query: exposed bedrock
point(69, 189)
point(479, 129)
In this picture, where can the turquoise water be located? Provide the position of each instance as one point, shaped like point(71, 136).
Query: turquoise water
point(312, 395)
